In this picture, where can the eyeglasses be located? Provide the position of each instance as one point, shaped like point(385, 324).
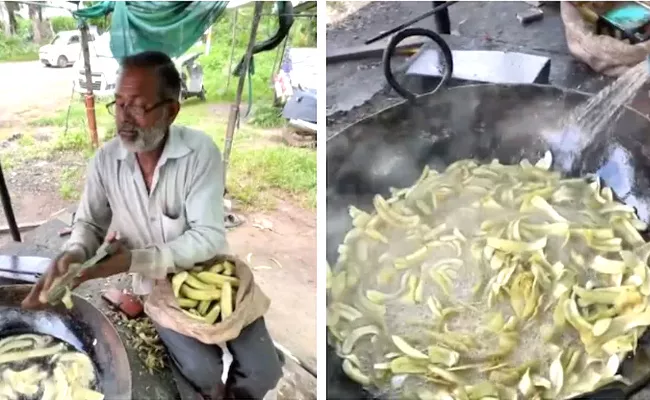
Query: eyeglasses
point(135, 111)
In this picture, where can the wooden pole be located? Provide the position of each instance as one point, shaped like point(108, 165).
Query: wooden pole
point(90, 97)
point(233, 116)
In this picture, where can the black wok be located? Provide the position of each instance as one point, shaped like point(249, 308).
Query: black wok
point(390, 149)
point(84, 327)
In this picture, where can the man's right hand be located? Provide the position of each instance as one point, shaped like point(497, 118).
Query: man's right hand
point(57, 268)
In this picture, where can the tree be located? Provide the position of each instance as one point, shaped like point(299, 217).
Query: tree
point(33, 17)
point(4, 19)
point(12, 8)
point(39, 29)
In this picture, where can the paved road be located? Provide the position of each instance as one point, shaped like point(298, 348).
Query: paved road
point(31, 87)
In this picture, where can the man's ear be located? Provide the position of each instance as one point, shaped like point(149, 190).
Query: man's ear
point(173, 109)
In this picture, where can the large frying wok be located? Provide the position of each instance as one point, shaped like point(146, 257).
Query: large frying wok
point(84, 327)
point(390, 149)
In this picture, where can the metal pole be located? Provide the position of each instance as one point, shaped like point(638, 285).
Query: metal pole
point(279, 54)
point(445, 4)
point(8, 209)
point(232, 47)
point(441, 18)
point(208, 41)
point(234, 107)
point(90, 97)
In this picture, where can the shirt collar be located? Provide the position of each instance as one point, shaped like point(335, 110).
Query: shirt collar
point(175, 147)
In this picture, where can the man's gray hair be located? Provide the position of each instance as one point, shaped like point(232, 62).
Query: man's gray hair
point(169, 80)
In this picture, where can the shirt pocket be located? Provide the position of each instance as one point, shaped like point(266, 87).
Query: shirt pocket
point(172, 228)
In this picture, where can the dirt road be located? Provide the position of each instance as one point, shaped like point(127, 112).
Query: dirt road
point(28, 87)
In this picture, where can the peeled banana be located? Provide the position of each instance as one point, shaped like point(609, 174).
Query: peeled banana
point(207, 294)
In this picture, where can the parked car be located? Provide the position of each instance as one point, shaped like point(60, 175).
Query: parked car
point(64, 48)
point(105, 71)
point(104, 68)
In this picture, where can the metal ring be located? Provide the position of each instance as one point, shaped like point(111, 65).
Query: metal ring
point(389, 52)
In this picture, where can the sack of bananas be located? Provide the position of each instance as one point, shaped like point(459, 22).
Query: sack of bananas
point(212, 302)
point(207, 294)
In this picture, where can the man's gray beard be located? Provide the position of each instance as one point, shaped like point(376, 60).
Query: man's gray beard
point(146, 140)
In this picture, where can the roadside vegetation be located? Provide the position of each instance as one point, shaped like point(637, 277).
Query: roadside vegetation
point(18, 46)
point(262, 169)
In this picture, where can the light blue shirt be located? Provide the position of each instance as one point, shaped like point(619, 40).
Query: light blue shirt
point(178, 224)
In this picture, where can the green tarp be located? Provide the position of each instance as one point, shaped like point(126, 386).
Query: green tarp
point(168, 26)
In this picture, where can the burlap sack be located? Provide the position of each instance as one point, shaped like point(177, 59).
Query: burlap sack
point(604, 54)
point(250, 304)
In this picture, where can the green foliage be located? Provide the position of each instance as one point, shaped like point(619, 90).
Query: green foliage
point(217, 65)
point(63, 24)
point(19, 47)
point(15, 48)
point(59, 24)
point(103, 24)
point(24, 28)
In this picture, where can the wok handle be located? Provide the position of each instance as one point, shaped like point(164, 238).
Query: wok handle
point(389, 52)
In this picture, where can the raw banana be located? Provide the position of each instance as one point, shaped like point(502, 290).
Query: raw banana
point(213, 314)
point(193, 316)
point(187, 303)
point(204, 306)
point(226, 300)
point(217, 279)
point(200, 295)
point(216, 268)
point(206, 295)
point(228, 268)
point(193, 282)
point(178, 280)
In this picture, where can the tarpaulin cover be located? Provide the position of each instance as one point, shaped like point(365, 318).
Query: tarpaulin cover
point(168, 26)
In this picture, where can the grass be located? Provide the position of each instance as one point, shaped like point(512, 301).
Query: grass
point(255, 172)
point(267, 116)
point(31, 55)
point(261, 169)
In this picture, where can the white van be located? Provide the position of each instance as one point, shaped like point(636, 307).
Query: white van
point(104, 68)
point(64, 48)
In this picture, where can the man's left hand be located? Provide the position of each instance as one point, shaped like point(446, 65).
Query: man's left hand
point(118, 263)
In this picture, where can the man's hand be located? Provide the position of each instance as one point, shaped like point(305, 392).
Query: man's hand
point(57, 268)
point(118, 263)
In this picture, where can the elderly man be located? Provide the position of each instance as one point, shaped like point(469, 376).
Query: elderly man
point(160, 186)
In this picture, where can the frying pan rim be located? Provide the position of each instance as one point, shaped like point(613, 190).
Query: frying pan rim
point(120, 353)
point(477, 85)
